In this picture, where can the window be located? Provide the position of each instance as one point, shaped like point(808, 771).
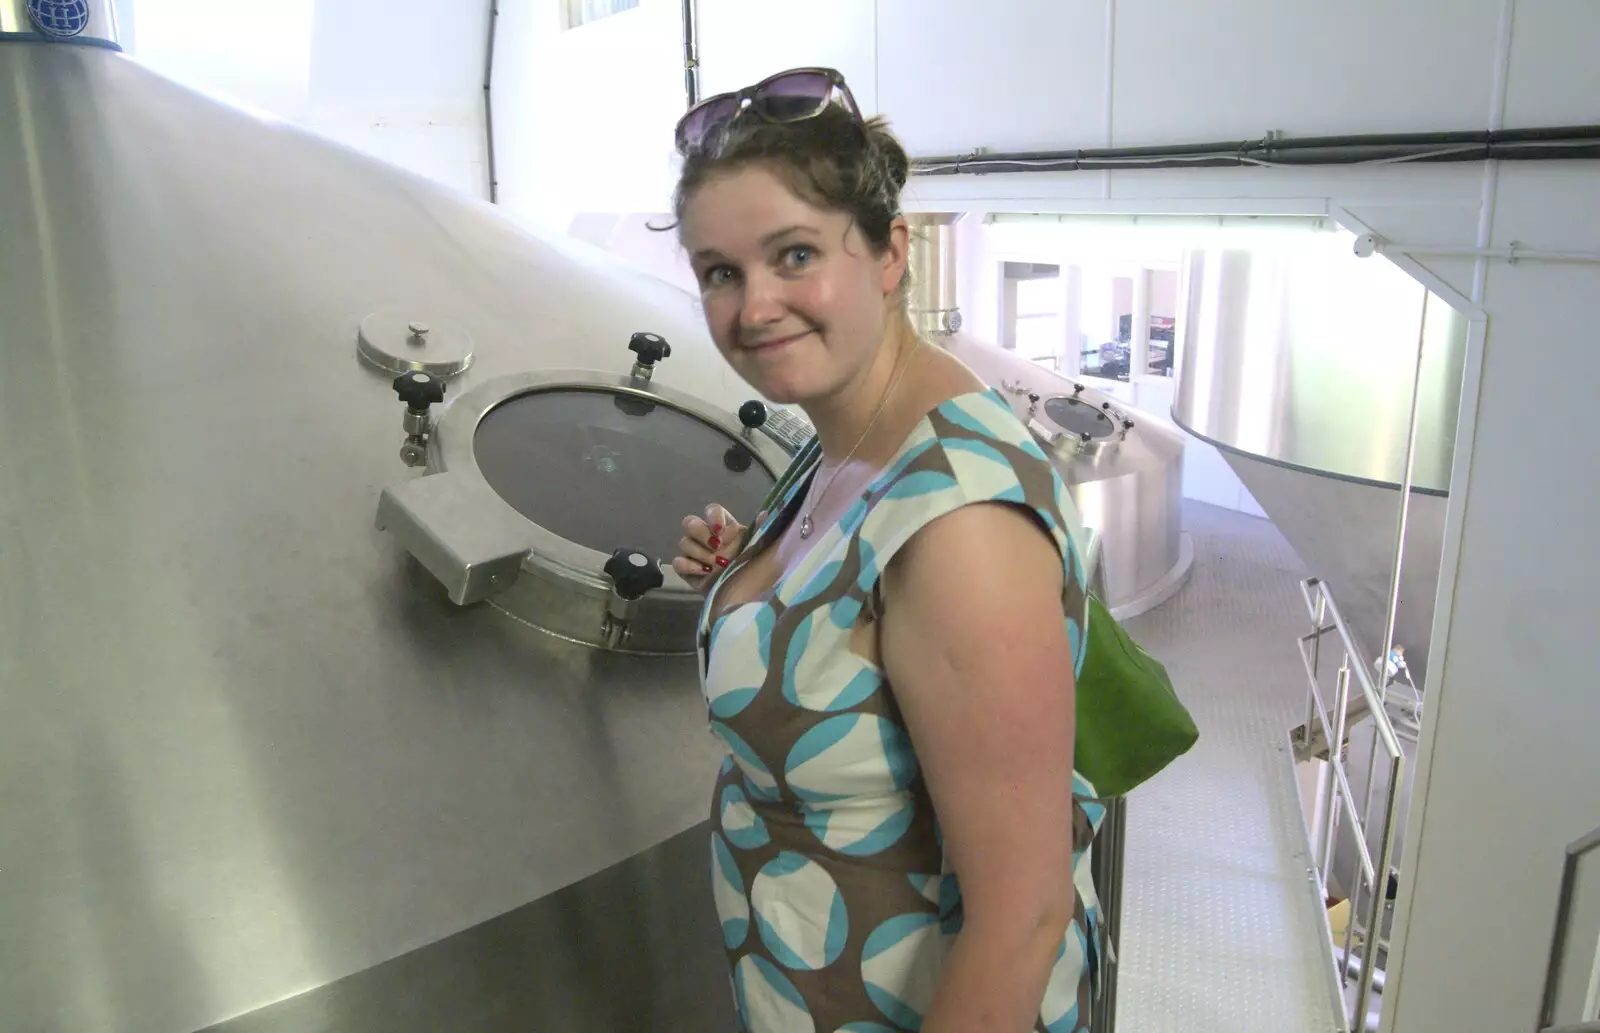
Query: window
point(1112, 293)
point(582, 12)
point(1032, 302)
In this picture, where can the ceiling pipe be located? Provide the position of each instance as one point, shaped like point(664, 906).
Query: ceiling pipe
point(1540, 143)
point(488, 104)
point(691, 53)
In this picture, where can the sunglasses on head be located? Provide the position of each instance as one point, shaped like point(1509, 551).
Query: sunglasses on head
point(790, 96)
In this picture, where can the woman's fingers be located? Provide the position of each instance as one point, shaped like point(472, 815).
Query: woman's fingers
point(721, 525)
point(708, 544)
point(714, 533)
point(690, 570)
point(697, 552)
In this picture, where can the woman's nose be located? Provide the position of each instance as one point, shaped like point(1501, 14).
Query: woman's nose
point(763, 302)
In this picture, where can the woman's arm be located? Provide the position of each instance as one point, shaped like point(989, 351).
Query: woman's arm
point(975, 647)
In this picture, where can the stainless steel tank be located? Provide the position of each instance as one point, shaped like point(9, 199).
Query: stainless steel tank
point(264, 765)
point(1124, 470)
point(1301, 365)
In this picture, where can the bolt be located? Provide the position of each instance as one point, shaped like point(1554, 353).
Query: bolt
point(418, 329)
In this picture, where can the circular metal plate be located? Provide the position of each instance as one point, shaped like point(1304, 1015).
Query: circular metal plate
point(1078, 417)
point(399, 343)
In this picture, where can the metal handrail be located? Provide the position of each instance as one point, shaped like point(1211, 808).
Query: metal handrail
point(1106, 872)
point(1105, 861)
point(1558, 940)
point(1337, 796)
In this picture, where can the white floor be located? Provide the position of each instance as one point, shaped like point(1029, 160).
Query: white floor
point(1221, 929)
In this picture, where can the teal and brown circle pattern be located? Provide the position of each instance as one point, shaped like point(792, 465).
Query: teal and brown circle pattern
point(836, 901)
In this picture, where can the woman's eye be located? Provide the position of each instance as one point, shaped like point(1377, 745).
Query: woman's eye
point(798, 257)
point(718, 275)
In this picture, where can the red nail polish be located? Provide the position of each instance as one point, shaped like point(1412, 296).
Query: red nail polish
point(722, 561)
point(715, 542)
point(716, 529)
point(707, 570)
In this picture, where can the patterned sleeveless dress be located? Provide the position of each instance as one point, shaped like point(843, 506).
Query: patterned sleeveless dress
point(836, 900)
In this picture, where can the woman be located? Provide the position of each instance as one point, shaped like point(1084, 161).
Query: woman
point(900, 838)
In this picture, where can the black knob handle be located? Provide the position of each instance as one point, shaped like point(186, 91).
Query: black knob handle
point(418, 389)
point(633, 573)
point(1127, 424)
point(1077, 389)
point(633, 405)
point(1106, 406)
point(752, 414)
point(651, 348)
point(1033, 396)
point(737, 459)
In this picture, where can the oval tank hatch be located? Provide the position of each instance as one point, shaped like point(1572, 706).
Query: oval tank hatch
point(557, 496)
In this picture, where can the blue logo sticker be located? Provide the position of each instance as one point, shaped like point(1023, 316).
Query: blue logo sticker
point(59, 19)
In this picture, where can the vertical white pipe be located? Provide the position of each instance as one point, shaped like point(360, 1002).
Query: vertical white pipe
point(1111, 75)
point(1071, 346)
point(1139, 329)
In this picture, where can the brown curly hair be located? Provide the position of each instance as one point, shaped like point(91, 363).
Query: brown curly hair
point(831, 161)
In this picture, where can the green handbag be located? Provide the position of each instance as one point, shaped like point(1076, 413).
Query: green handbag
point(1130, 722)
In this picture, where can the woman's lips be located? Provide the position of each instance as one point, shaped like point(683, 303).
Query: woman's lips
point(778, 342)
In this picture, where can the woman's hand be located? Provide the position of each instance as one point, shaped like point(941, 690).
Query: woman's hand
point(708, 545)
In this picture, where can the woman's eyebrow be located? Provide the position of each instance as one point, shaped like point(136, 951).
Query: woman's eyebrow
point(778, 235)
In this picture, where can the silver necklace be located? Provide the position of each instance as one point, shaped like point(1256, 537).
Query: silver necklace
point(806, 526)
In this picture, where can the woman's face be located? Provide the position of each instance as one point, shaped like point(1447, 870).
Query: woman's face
point(793, 295)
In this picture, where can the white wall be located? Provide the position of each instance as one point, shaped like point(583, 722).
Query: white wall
point(401, 81)
point(583, 117)
point(1508, 774)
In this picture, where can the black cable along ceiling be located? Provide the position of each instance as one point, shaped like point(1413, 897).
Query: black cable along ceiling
point(1538, 144)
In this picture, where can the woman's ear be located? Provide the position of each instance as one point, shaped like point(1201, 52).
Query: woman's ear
point(897, 256)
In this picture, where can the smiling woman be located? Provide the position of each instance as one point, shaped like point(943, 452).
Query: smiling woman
point(890, 654)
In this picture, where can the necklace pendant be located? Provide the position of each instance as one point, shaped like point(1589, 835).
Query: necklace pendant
point(805, 527)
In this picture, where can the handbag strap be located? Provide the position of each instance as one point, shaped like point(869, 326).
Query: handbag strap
point(804, 460)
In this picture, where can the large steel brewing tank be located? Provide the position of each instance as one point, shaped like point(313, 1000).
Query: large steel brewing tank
point(259, 766)
point(1124, 470)
point(1300, 364)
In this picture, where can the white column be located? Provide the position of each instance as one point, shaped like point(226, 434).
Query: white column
point(1095, 309)
point(1139, 335)
point(1191, 280)
point(1008, 311)
point(1070, 355)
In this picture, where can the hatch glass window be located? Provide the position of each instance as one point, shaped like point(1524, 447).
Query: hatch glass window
point(605, 469)
point(1079, 417)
